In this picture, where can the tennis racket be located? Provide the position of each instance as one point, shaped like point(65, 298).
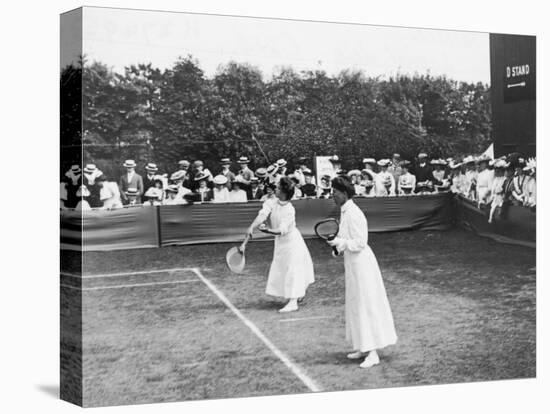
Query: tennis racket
point(235, 256)
point(327, 230)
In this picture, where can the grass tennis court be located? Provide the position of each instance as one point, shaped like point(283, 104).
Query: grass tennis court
point(174, 324)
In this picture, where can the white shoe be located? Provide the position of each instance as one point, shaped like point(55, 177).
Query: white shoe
point(289, 308)
point(370, 361)
point(355, 355)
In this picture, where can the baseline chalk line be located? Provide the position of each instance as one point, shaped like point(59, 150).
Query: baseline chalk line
point(304, 318)
point(141, 272)
point(295, 369)
point(174, 282)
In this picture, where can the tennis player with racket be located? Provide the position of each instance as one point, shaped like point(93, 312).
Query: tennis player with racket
point(369, 320)
point(291, 270)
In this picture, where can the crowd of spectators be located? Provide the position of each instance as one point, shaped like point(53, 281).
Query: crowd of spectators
point(489, 182)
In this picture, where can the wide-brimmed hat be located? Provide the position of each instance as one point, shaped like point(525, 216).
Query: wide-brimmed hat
point(483, 158)
point(132, 191)
point(501, 164)
point(468, 160)
point(438, 161)
point(383, 162)
point(369, 161)
point(225, 161)
point(90, 168)
point(334, 158)
point(184, 163)
point(272, 169)
point(201, 176)
point(281, 162)
point(75, 169)
point(454, 166)
point(178, 175)
point(261, 172)
point(153, 192)
point(254, 180)
point(422, 155)
point(151, 167)
point(243, 160)
point(396, 155)
point(198, 163)
point(220, 179)
point(129, 164)
point(172, 188)
point(82, 191)
point(354, 172)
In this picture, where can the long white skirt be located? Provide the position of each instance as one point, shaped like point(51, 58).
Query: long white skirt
point(291, 271)
point(369, 321)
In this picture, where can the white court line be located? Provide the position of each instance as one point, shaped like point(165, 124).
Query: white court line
point(141, 272)
point(130, 286)
point(296, 370)
point(304, 319)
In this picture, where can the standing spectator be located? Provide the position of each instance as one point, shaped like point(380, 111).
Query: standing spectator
point(130, 180)
point(355, 179)
point(150, 177)
point(183, 166)
point(406, 182)
point(245, 173)
point(73, 180)
point(367, 181)
point(384, 183)
point(179, 179)
point(309, 189)
point(440, 177)
point(272, 172)
point(324, 189)
point(204, 193)
point(220, 193)
point(497, 190)
point(484, 181)
point(530, 186)
point(281, 170)
point(299, 173)
point(470, 178)
point(423, 174)
point(109, 193)
point(237, 194)
point(133, 197)
point(200, 170)
point(518, 183)
point(297, 192)
point(82, 193)
point(226, 172)
point(456, 178)
point(256, 192)
point(91, 173)
point(261, 174)
point(369, 164)
point(395, 167)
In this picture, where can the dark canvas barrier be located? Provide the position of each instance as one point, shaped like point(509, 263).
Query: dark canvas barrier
point(210, 223)
point(126, 228)
point(516, 225)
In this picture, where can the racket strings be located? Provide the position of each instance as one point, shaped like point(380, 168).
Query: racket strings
point(327, 229)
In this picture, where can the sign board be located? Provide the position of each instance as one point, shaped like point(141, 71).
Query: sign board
point(323, 166)
point(519, 82)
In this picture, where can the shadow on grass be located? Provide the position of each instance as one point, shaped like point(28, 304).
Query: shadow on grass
point(51, 390)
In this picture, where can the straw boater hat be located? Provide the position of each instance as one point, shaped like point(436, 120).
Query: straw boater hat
point(272, 169)
point(90, 168)
point(172, 188)
point(254, 180)
point(184, 163)
point(83, 191)
point(243, 160)
point(132, 191)
point(75, 169)
point(178, 175)
point(220, 179)
point(354, 172)
point(261, 172)
point(129, 164)
point(281, 162)
point(396, 155)
point(153, 192)
point(422, 155)
point(371, 161)
point(151, 167)
point(225, 161)
point(368, 172)
point(201, 176)
point(454, 166)
point(384, 162)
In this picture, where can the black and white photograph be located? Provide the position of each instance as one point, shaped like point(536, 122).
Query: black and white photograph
point(256, 207)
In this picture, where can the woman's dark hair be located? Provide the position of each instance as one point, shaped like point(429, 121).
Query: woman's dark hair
point(155, 182)
point(287, 187)
point(343, 183)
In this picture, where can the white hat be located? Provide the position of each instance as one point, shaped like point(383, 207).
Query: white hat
point(501, 164)
point(369, 161)
point(151, 167)
point(422, 155)
point(178, 175)
point(75, 169)
point(90, 168)
point(354, 172)
point(243, 160)
point(153, 192)
point(281, 162)
point(468, 160)
point(453, 166)
point(220, 179)
point(132, 191)
point(383, 162)
point(129, 164)
point(334, 158)
point(172, 188)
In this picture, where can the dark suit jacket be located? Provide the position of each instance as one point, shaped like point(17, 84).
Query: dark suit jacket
point(137, 182)
point(259, 194)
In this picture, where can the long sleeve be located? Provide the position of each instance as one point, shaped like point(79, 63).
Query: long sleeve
point(287, 220)
point(358, 234)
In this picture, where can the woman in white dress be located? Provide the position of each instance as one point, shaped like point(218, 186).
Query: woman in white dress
point(369, 320)
point(497, 188)
point(291, 270)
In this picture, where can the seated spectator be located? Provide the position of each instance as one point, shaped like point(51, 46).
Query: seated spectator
point(484, 181)
point(220, 193)
point(237, 194)
point(384, 183)
point(440, 177)
point(130, 180)
point(407, 181)
point(299, 173)
point(309, 189)
point(470, 178)
point(153, 197)
point(496, 196)
point(456, 177)
point(530, 186)
point(370, 164)
point(91, 173)
point(324, 189)
point(269, 192)
point(297, 192)
point(178, 179)
point(109, 194)
point(172, 196)
point(133, 197)
point(367, 182)
point(518, 182)
point(183, 166)
point(281, 170)
point(355, 179)
point(204, 193)
point(73, 179)
point(83, 193)
point(256, 193)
